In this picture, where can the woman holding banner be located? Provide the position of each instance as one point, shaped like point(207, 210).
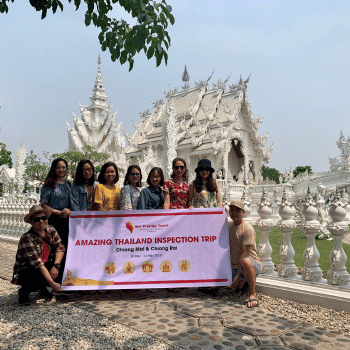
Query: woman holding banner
point(152, 197)
point(131, 191)
point(204, 191)
point(107, 193)
point(83, 192)
point(176, 188)
point(55, 195)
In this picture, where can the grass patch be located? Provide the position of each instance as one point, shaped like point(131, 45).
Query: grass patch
point(299, 244)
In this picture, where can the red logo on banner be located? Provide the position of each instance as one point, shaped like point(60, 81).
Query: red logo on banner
point(130, 226)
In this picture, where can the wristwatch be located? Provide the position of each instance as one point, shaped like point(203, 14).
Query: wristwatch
point(58, 266)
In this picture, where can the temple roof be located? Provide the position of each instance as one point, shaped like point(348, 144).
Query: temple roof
point(202, 115)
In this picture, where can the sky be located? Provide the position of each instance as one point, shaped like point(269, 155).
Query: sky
point(297, 52)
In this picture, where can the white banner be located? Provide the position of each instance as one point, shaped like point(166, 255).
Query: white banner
point(147, 249)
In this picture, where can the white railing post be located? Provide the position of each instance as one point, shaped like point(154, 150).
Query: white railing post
point(311, 270)
point(286, 268)
point(264, 224)
point(337, 275)
point(247, 202)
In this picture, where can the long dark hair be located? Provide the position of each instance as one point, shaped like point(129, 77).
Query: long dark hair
point(79, 178)
point(101, 176)
point(127, 181)
point(50, 180)
point(185, 175)
point(160, 172)
point(211, 183)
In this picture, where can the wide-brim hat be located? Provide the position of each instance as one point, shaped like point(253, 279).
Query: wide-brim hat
point(35, 209)
point(237, 203)
point(204, 163)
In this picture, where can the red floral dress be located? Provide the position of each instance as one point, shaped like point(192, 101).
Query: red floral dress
point(178, 194)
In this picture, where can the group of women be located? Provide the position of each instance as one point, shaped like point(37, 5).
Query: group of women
point(85, 194)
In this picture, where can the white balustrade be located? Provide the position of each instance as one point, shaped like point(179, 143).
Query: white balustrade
point(311, 270)
point(264, 224)
point(247, 210)
point(286, 268)
point(337, 275)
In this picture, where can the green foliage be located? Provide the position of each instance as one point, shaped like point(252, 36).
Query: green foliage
point(5, 155)
point(73, 158)
point(36, 169)
point(270, 173)
point(299, 244)
point(301, 169)
point(122, 40)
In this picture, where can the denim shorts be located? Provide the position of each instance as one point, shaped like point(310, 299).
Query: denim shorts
point(257, 267)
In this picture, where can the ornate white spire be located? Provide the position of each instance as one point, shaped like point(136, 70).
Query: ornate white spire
point(185, 79)
point(97, 126)
point(98, 97)
point(21, 155)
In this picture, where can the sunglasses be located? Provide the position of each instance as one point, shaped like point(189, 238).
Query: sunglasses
point(135, 174)
point(204, 169)
point(179, 167)
point(43, 218)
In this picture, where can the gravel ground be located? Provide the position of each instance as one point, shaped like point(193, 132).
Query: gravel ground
point(9, 246)
point(62, 326)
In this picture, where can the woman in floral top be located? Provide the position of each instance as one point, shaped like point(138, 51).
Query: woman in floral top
point(204, 191)
point(131, 190)
point(176, 188)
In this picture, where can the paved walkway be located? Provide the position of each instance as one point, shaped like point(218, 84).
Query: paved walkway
point(192, 321)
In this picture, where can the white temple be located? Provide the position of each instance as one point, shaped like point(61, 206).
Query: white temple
point(200, 122)
point(97, 126)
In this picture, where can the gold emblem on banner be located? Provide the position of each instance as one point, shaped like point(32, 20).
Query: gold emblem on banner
point(166, 266)
point(147, 266)
point(184, 265)
point(128, 267)
point(110, 268)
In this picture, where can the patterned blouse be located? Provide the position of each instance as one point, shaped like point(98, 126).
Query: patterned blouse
point(204, 199)
point(129, 197)
point(178, 194)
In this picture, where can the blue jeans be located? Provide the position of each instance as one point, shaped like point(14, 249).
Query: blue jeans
point(257, 268)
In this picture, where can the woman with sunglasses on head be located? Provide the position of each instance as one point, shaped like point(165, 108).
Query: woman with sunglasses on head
point(204, 190)
point(176, 188)
point(131, 191)
point(107, 193)
point(55, 195)
point(152, 197)
point(83, 192)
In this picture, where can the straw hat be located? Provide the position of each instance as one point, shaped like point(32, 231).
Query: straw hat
point(35, 209)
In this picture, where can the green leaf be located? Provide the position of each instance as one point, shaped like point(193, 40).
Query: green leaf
point(150, 52)
point(123, 57)
point(158, 58)
point(131, 64)
point(88, 19)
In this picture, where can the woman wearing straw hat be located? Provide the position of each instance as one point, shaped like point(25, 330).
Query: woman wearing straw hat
point(39, 254)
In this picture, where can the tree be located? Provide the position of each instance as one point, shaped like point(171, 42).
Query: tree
point(270, 173)
point(36, 169)
point(5, 155)
point(121, 39)
point(88, 152)
point(301, 169)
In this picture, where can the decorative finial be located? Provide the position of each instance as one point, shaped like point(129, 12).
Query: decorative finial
point(185, 75)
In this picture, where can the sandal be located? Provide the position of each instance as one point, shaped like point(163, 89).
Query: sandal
point(251, 301)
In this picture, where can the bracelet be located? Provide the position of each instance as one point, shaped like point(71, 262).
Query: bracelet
point(58, 266)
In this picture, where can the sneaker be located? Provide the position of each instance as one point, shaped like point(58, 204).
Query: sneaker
point(23, 297)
